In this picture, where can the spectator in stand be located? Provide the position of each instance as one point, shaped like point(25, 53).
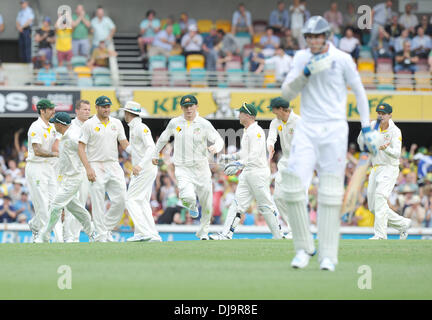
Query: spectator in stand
point(63, 42)
point(406, 59)
point(163, 42)
point(256, 61)
point(192, 41)
point(394, 29)
point(421, 44)
point(149, 27)
point(397, 43)
point(185, 22)
point(416, 212)
point(45, 37)
point(350, 18)
point(15, 193)
point(307, 13)
point(13, 170)
point(424, 23)
point(24, 22)
point(227, 44)
point(282, 63)
point(430, 61)
point(408, 20)
point(289, 43)
point(334, 18)
point(279, 18)
point(24, 206)
point(100, 56)
point(46, 75)
point(2, 75)
point(1, 24)
point(381, 46)
point(209, 49)
point(350, 44)
point(103, 28)
point(297, 18)
point(269, 43)
point(363, 217)
point(176, 30)
point(242, 20)
point(381, 15)
point(80, 36)
point(7, 211)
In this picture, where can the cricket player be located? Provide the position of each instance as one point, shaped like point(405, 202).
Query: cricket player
point(283, 126)
point(192, 134)
point(70, 177)
point(143, 176)
point(100, 134)
point(321, 73)
point(40, 168)
point(71, 226)
point(384, 174)
point(254, 181)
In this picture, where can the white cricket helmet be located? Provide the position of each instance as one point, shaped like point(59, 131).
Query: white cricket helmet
point(316, 25)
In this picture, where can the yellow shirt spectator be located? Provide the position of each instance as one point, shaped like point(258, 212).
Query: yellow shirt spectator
point(64, 40)
point(364, 217)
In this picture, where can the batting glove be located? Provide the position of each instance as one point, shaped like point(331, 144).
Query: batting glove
point(318, 63)
point(371, 140)
point(233, 167)
point(227, 157)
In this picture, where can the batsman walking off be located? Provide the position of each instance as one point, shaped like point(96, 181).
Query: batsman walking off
point(254, 181)
point(321, 74)
point(40, 168)
point(144, 173)
point(70, 178)
point(192, 134)
point(384, 174)
point(100, 135)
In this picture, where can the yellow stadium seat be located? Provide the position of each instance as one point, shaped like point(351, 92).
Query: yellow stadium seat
point(225, 25)
point(195, 61)
point(385, 78)
point(269, 78)
point(256, 38)
point(163, 22)
point(366, 66)
point(83, 72)
point(204, 26)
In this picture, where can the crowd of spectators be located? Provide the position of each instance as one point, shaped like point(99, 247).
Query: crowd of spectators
point(412, 196)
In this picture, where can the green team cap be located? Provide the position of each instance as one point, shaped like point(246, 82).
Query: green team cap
point(248, 108)
point(103, 101)
point(45, 104)
point(278, 102)
point(188, 100)
point(61, 117)
point(384, 107)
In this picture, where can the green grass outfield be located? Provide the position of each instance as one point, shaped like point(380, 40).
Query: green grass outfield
point(237, 269)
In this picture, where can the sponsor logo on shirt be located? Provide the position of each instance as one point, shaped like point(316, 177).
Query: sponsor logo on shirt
point(280, 128)
point(97, 129)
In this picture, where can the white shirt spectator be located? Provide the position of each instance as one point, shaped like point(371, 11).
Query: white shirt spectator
point(424, 41)
point(101, 29)
point(348, 44)
point(408, 20)
point(163, 35)
point(192, 44)
point(282, 65)
point(297, 16)
point(382, 14)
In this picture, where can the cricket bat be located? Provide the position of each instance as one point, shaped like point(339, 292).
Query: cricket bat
point(354, 187)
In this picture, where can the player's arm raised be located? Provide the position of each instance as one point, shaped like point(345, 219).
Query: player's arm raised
point(162, 141)
point(295, 80)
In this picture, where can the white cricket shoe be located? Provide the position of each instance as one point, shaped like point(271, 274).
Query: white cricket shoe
point(219, 236)
point(403, 234)
point(138, 238)
point(376, 238)
point(287, 236)
point(109, 237)
point(92, 237)
point(326, 264)
point(300, 260)
point(155, 240)
point(204, 237)
point(33, 231)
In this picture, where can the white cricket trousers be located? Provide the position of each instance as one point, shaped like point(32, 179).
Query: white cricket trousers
point(192, 182)
point(320, 146)
point(254, 183)
point(382, 180)
point(42, 184)
point(71, 226)
point(138, 202)
point(109, 179)
point(67, 197)
point(278, 192)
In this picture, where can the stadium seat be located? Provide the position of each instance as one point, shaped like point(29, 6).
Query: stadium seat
point(404, 81)
point(157, 62)
point(247, 49)
point(256, 38)
point(365, 37)
point(365, 52)
point(198, 77)
point(225, 25)
point(101, 77)
point(159, 77)
point(102, 81)
point(178, 77)
point(385, 77)
point(85, 82)
point(204, 26)
point(269, 79)
point(384, 66)
point(78, 61)
point(246, 64)
point(176, 62)
point(423, 65)
point(366, 65)
point(243, 38)
point(234, 63)
point(259, 26)
point(195, 61)
point(83, 72)
point(63, 77)
point(368, 79)
point(423, 81)
point(235, 78)
point(385, 87)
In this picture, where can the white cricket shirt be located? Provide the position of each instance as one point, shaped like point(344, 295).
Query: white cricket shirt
point(43, 134)
point(391, 154)
point(101, 140)
point(285, 131)
point(142, 144)
point(253, 151)
point(69, 163)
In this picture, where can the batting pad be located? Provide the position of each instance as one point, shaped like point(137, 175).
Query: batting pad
point(330, 196)
point(294, 197)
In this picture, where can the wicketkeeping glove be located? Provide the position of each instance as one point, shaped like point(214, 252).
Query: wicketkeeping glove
point(318, 63)
point(371, 139)
point(233, 167)
point(227, 157)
